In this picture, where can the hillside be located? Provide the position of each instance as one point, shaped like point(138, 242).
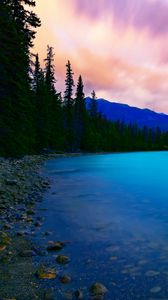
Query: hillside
point(143, 117)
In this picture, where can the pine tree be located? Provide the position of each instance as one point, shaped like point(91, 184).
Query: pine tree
point(38, 75)
point(79, 114)
point(25, 20)
point(69, 83)
point(54, 120)
point(17, 112)
point(50, 71)
point(93, 105)
point(41, 111)
point(68, 107)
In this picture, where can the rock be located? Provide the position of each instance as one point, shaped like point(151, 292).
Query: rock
point(9, 299)
point(4, 238)
point(65, 279)
point(37, 224)
point(40, 252)
point(21, 233)
point(11, 182)
point(48, 295)
point(151, 273)
point(27, 253)
point(155, 289)
point(30, 212)
point(2, 247)
point(45, 184)
point(7, 226)
point(3, 206)
point(40, 218)
point(46, 274)
point(47, 233)
point(69, 295)
point(62, 259)
point(29, 220)
point(98, 289)
point(56, 246)
point(78, 294)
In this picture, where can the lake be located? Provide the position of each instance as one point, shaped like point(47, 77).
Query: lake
point(113, 211)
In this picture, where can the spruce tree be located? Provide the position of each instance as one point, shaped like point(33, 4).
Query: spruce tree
point(37, 74)
point(41, 111)
point(69, 84)
point(68, 107)
point(93, 105)
point(54, 121)
point(50, 71)
point(79, 114)
point(16, 36)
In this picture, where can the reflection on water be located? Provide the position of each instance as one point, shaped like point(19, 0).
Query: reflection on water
point(114, 211)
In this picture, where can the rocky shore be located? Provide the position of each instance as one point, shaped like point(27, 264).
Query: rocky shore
point(21, 186)
point(22, 276)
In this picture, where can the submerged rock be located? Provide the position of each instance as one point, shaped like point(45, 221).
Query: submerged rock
point(65, 279)
point(46, 274)
point(79, 294)
point(46, 233)
point(37, 224)
point(56, 246)
point(62, 259)
point(98, 289)
point(21, 233)
point(151, 273)
point(155, 289)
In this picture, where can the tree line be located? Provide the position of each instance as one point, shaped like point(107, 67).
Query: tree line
point(35, 116)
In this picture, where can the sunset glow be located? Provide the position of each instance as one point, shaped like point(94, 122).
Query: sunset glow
point(120, 47)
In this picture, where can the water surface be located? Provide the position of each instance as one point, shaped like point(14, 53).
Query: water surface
point(113, 209)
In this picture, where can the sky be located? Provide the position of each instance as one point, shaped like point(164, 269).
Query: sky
point(120, 47)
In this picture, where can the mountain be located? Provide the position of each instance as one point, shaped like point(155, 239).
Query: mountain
point(142, 117)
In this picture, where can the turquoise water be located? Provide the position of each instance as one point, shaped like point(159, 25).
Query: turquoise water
point(113, 211)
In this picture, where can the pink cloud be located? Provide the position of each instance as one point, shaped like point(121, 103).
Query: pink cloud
point(118, 46)
point(140, 14)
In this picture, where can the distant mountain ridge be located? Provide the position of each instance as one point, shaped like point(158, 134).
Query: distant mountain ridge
point(128, 114)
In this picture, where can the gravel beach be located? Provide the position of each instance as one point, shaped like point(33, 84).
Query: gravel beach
point(21, 187)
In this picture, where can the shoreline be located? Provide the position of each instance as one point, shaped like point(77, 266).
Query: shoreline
point(22, 186)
